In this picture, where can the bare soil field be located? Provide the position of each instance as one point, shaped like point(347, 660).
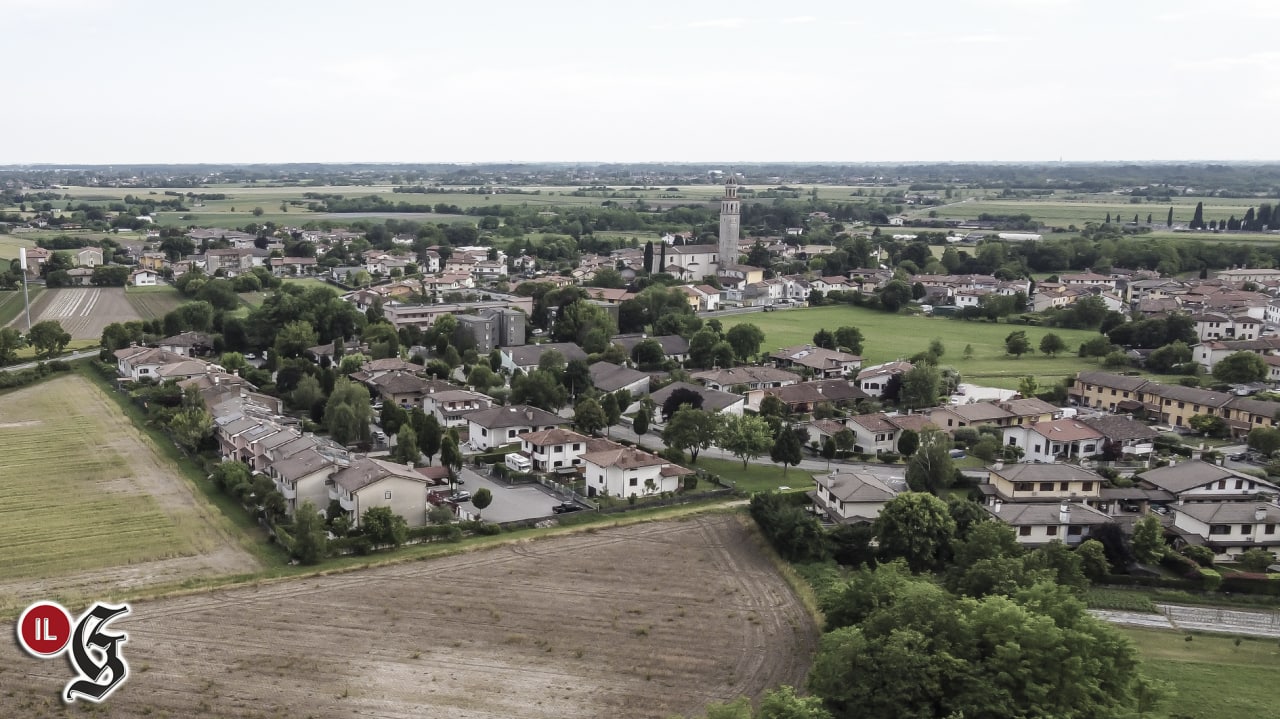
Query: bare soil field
point(84, 311)
point(641, 621)
point(91, 509)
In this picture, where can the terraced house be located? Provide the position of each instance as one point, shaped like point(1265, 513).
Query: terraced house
point(1173, 405)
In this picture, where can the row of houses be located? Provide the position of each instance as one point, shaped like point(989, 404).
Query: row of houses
point(1172, 405)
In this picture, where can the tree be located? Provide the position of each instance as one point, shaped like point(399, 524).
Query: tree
point(191, 426)
point(920, 387)
point(908, 442)
point(691, 430)
point(1027, 387)
point(745, 339)
point(481, 500)
point(1256, 560)
point(1169, 221)
point(1240, 368)
point(787, 449)
point(449, 455)
point(1264, 440)
point(648, 257)
point(10, 342)
point(968, 352)
point(406, 450)
point(541, 389)
point(348, 412)
point(1017, 344)
point(307, 393)
point(745, 437)
point(681, 397)
point(825, 339)
point(48, 338)
point(429, 432)
point(1148, 539)
point(382, 526)
point(1093, 560)
point(309, 541)
point(589, 416)
point(1197, 217)
point(612, 410)
point(828, 451)
point(1208, 425)
point(916, 527)
point(936, 348)
point(930, 468)
point(850, 338)
point(640, 420)
point(1169, 357)
point(1051, 344)
point(895, 295)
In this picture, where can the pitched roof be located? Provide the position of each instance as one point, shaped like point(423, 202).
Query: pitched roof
point(897, 367)
point(979, 411)
point(1028, 407)
point(873, 422)
point(552, 436)
point(520, 415)
point(1034, 472)
point(530, 355)
point(389, 364)
point(399, 383)
point(713, 400)
point(1120, 428)
point(1230, 512)
point(817, 357)
point(1065, 430)
point(623, 458)
point(302, 464)
point(730, 376)
point(365, 471)
point(187, 339)
point(1183, 476)
point(1045, 513)
point(856, 486)
point(609, 377)
point(1111, 380)
point(671, 344)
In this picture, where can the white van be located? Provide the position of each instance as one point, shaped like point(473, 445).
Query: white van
point(518, 463)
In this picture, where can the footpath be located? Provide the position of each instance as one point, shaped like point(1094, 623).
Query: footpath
point(1200, 619)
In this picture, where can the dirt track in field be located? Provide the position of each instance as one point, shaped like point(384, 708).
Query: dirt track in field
point(642, 621)
point(212, 548)
point(83, 311)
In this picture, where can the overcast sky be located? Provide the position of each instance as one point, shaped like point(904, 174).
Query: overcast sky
point(102, 81)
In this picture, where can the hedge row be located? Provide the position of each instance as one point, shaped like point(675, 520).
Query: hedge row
point(31, 375)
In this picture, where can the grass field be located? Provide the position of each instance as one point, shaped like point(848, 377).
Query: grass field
point(12, 304)
point(890, 337)
point(9, 245)
point(1213, 677)
point(73, 500)
point(153, 303)
point(308, 282)
point(1061, 211)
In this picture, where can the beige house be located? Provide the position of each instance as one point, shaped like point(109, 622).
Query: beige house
point(619, 471)
point(852, 496)
point(1038, 524)
point(369, 483)
point(1040, 483)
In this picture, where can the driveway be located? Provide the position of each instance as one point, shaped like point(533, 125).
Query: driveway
point(510, 503)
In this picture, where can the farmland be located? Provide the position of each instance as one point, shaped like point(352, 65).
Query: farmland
point(12, 304)
point(9, 245)
point(1212, 676)
point(153, 303)
point(647, 620)
point(890, 337)
point(83, 311)
point(89, 505)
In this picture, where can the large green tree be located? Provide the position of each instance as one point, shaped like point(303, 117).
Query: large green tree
point(745, 437)
point(931, 468)
point(348, 412)
point(691, 430)
point(382, 526)
point(1240, 367)
point(920, 387)
point(745, 339)
point(10, 342)
point(309, 539)
point(1017, 344)
point(48, 338)
point(916, 527)
point(787, 449)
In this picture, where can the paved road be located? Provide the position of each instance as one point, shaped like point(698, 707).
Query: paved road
point(1202, 619)
point(82, 354)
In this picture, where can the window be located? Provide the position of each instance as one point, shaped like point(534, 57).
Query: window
point(1074, 530)
point(1022, 487)
point(1113, 393)
point(1246, 529)
point(557, 463)
point(1052, 531)
point(1013, 441)
point(633, 481)
point(1037, 449)
point(511, 433)
point(1046, 486)
point(1086, 487)
point(1222, 484)
point(1239, 484)
point(1271, 529)
point(1024, 531)
point(1062, 486)
point(1219, 529)
point(484, 432)
point(386, 494)
point(577, 446)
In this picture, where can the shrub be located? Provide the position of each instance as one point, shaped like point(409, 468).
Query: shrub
point(1201, 555)
point(889, 457)
point(1212, 580)
point(1256, 560)
point(1184, 566)
point(672, 454)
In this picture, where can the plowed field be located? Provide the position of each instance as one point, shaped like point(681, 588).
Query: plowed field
point(640, 621)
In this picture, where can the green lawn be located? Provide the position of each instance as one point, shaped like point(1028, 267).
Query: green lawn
point(9, 245)
point(12, 304)
point(153, 303)
point(1212, 676)
point(756, 477)
point(307, 283)
point(890, 337)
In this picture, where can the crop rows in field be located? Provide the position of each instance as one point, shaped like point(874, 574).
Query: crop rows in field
point(155, 305)
point(1119, 600)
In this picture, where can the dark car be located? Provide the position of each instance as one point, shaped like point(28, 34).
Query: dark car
point(1238, 457)
point(565, 508)
point(461, 496)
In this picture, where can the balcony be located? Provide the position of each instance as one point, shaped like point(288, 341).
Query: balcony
point(333, 492)
point(347, 502)
point(289, 491)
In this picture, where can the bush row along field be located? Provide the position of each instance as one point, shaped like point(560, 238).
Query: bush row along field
point(153, 303)
point(69, 502)
point(1212, 676)
point(890, 337)
point(1120, 600)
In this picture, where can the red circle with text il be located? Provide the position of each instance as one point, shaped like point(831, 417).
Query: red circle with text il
point(44, 629)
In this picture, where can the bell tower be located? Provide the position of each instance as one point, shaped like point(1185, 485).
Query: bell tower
point(730, 221)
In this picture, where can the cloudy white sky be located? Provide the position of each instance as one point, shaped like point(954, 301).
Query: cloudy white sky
point(103, 81)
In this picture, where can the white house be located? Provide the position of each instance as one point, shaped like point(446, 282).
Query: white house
point(143, 278)
point(1229, 528)
point(499, 426)
point(875, 379)
point(1196, 482)
point(873, 433)
point(625, 471)
point(552, 449)
point(852, 496)
point(142, 362)
point(1039, 523)
point(1054, 441)
point(450, 405)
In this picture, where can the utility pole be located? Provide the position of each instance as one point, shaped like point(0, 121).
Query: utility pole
point(26, 298)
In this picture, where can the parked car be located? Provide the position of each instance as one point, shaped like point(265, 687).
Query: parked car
point(1238, 456)
point(460, 496)
point(957, 454)
point(565, 508)
point(769, 308)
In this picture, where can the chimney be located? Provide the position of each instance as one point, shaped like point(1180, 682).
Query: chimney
point(999, 465)
point(1259, 513)
point(1064, 513)
point(409, 464)
point(998, 505)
